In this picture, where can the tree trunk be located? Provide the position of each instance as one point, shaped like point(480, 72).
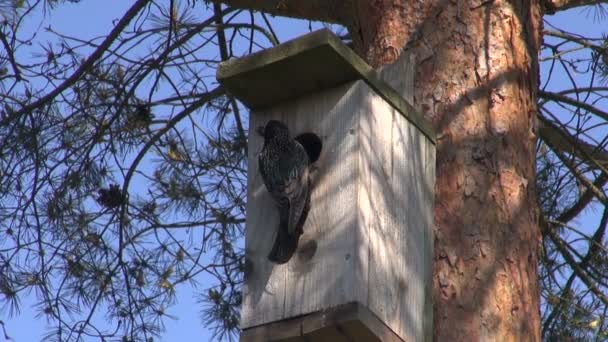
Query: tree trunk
point(476, 80)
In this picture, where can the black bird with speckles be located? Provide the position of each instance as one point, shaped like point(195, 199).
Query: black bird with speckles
point(285, 166)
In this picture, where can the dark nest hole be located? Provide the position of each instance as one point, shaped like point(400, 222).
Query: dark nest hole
point(312, 144)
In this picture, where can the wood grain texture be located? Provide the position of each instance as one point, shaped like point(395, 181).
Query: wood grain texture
point(318, 60)
point(370, 219)
point(351, 322)
point(312, 63)
point(396, 215)
point(400, 75)
point(274, 292)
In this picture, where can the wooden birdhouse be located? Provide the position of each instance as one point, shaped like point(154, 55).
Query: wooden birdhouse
point(362, 269)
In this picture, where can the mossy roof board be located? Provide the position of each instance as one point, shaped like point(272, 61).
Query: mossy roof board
point(307, 64)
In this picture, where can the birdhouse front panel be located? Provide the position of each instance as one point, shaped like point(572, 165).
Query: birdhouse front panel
point(314, 278)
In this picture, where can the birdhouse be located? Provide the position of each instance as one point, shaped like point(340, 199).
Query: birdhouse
point(362, 268)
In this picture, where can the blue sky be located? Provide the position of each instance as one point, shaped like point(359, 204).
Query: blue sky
point(93, 18)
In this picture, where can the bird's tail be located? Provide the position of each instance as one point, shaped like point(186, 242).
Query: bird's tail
point(284, 245)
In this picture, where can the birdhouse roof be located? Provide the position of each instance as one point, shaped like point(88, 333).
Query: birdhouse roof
point(308, 64)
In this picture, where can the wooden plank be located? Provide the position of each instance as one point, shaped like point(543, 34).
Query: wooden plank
point(286, 330)
point(329, 334)
point(301, 66)
point(429, 202)
point(420, 167)
point(330, 317)
point(421, 177)
point(324, 280)
point(275, 292)
point(376, 327)
point(414, 241)
point(308, 64)
point(357, 330)
point(372, 206)
point(400, 75)
point(350, 322)
point(380, 223)
point(394, 210)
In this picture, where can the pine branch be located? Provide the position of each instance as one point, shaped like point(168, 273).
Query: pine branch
point(565, 142)
point(583, 200)
point(84, 67)
point(223, 46)
point(334, 11)
point(553, 6)
point(586, 42)
point(597, 192)
point(579, 271)
point(11, 56)
point(555, 97)
point(595, 246)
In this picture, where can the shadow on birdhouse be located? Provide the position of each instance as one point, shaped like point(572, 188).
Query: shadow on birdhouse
point(362, 266)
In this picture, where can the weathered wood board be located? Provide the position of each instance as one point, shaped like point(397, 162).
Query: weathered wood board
point(275, 292)
point(344, 323)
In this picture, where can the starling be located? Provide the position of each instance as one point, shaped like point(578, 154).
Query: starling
point(284, 166)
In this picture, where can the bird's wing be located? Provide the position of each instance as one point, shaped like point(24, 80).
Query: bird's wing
point(297, 186)
point(262, 166)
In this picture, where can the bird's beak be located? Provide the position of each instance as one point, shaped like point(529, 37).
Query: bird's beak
point(260, 130)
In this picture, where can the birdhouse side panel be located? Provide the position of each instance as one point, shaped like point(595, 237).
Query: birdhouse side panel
point(395, 210)
point(428, 222)
point(321, 273)
point(400, 75)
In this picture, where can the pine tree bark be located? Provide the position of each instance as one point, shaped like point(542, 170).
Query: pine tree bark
point(476, 80)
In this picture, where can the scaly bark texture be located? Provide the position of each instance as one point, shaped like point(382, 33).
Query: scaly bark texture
point(476, 80)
